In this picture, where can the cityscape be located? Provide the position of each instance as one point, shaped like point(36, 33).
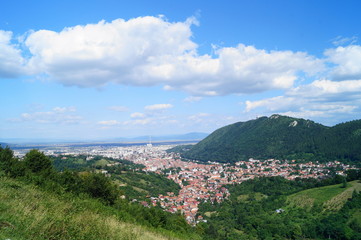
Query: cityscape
point(199, 182)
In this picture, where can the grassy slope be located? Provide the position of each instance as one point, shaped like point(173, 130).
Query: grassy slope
point(29, 213)
point(330, 197)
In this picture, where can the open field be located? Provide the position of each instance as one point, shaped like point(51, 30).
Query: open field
point(329, 197)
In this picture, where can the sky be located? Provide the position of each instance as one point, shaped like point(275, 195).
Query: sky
point(92, 70)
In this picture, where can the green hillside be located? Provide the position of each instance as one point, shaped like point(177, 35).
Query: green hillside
point(39, 202)
point(134, 183)
point(329, 197)
point(27, 212)
point(276, 208)
point(280, 137)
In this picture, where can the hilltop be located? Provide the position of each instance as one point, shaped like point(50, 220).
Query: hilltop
point(280, 137)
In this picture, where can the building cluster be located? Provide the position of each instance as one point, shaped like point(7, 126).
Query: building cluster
point(201, 182)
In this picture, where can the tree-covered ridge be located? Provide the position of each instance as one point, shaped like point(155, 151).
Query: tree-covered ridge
point(85, 163)
point(280, 137)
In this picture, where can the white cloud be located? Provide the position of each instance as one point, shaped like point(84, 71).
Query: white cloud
point(137, 115)
point(95, 54)
point(11, 62)
point(243, 69)
point(321, 98)
point(199, 117)
point(119, 108)
point(148, 51)
point(192, 99)
point(59, 115)
point(273, 104)
point(347, 60)
point(339, 40)
point(109, 122)
point(157, 107)
point(64, 109)
point(145, 121)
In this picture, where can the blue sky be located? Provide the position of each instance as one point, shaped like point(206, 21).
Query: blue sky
point(104, 69)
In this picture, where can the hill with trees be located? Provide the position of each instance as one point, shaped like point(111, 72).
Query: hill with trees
point(280, 137)
point(268, 208)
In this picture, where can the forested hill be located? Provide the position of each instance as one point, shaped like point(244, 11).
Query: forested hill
point(280, 137)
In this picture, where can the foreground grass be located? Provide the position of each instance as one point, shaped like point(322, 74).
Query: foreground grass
point(29, 213)
point(329, 197)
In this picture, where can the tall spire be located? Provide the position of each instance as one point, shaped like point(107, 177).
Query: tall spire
point(150, 142)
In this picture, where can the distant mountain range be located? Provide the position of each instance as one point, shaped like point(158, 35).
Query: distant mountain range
point(280, 137)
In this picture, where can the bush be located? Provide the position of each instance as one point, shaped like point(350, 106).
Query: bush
point(99, 186)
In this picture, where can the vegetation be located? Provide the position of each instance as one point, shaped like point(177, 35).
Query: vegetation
point(280, 137)
point(83, 163)
point(38, 202)
point(265, 208)
point(138, 185)
point(134, 183)
point(27, 212)
point(181, 148)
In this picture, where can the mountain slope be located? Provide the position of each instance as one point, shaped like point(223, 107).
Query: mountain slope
point(279, 137)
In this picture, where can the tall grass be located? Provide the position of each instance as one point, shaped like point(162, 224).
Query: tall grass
point(29, 213)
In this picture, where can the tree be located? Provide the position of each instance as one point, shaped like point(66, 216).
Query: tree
point(37, 162)
point(6, 155)
point(99, 186)
point(344, 183)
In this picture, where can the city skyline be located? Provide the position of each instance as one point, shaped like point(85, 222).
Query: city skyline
point(105, 69)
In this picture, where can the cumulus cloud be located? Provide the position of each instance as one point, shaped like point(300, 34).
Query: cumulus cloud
point(273, 104)
point(157, 107)
point(95, 54)
point(241, 69)
point(149, 51)
point(58, 115)
point(321, 98)
point(347, 60)
point(12, 64)
point(154, 115)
